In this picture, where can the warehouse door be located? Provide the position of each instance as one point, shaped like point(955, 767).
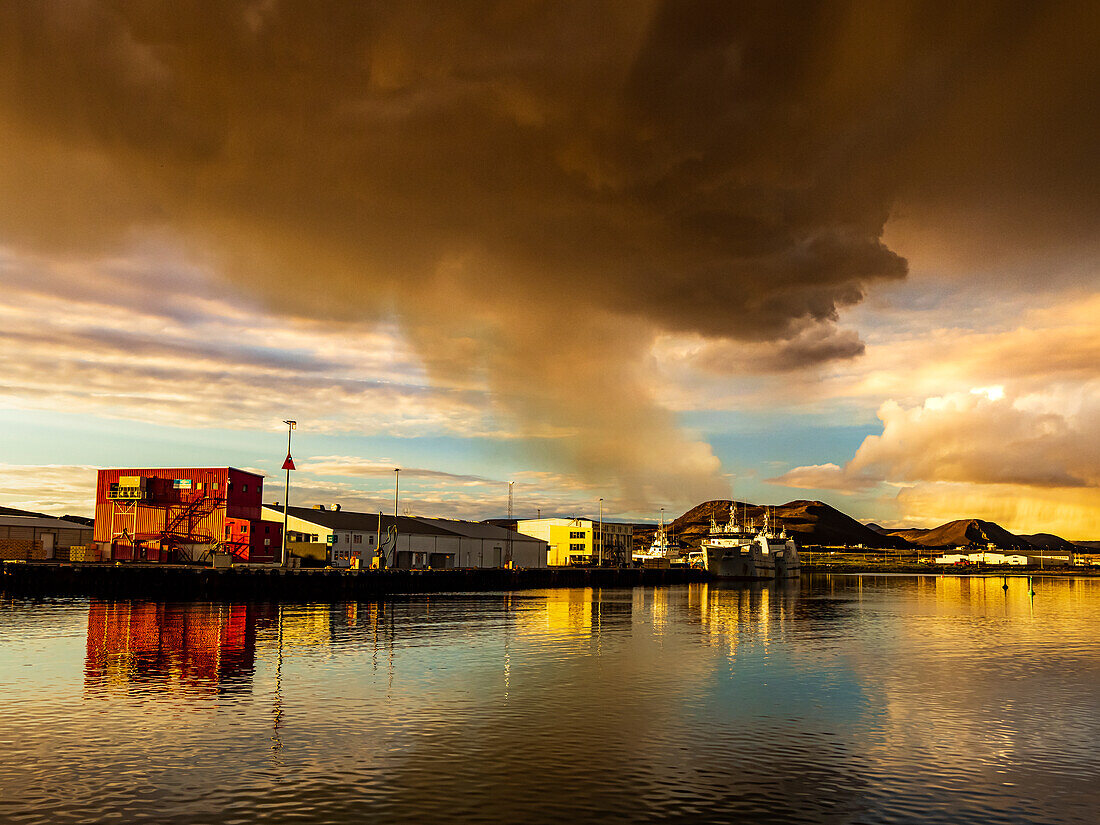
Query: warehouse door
point(48, 540)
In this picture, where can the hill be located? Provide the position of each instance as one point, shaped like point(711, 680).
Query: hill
point(817, 523)
point(1049, 541)
point(964, 532)
point(12, 511)
point(810, 522)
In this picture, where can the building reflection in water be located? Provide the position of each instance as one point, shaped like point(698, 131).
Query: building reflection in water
point(573, 616)
point(203, 648)
point(212, 649)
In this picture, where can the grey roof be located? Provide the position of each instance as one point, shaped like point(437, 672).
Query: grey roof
point(367, 522)
point(42, 522)
point(477, 529)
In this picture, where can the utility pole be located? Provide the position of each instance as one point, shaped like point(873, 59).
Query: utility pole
point(288, 465)
point(396, 493)
point(511, 526)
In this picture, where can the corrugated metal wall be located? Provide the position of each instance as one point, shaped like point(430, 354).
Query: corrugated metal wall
point(145, 517)
point(112, 517)
point(241, 491)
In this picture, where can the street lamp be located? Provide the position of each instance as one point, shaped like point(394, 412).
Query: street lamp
point(288, 465)
point(396, 489)
point(601, 533)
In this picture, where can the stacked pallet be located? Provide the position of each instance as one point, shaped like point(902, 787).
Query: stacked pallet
point(18, 549)
point(84, 553)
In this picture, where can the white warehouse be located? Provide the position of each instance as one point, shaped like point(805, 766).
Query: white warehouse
point(343, 538)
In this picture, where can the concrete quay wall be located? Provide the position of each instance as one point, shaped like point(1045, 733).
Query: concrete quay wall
point(172, 582)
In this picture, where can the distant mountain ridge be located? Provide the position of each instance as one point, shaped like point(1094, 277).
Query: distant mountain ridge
point(810, 522)
point(818, 523)
point(1049, 541)
point(963, 532)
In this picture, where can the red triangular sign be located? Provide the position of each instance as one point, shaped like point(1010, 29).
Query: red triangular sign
point(289, 463)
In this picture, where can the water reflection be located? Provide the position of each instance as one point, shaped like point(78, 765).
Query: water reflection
point(843, 699)
point(192, 648)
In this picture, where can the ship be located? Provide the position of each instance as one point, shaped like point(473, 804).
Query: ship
point(736, 550)
point(660, 552)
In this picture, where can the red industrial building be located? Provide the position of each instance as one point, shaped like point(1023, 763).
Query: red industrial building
point(182, 514)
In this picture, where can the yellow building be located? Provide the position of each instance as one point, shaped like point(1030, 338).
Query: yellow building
point(576, 541)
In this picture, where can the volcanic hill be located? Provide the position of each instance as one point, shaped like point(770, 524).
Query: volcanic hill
point(810, 522)
point(963, 532)
point(817, 523)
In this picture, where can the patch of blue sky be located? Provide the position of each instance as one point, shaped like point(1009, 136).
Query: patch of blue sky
point(48, 437)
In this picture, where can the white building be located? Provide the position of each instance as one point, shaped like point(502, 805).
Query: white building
point(988, 557)
point(343, 538)
point(984, 557)
point(486, 545)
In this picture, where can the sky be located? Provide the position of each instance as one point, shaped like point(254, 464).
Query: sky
point(650, 253)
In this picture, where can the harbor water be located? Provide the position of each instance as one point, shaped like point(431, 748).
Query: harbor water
point(835, 699)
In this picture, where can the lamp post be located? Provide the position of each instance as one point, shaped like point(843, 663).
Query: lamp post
point(288, 465)
point(396, 490)
point(601, 533)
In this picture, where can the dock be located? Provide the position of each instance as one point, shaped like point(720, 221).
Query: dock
point(161, 581)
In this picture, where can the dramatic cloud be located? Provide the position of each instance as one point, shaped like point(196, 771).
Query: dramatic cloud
point(368, 486)
point(983, 438)
point(130, 338)
point(1005, 459)
point(535, 191)
point(336, 465)
point(814, 346)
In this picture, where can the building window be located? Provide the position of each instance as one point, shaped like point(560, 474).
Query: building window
point(267, 542)
point(227, 531)
point(358, 539)
point(244, 488)
point(267, 528)
point(370, 539)
point(574, 548)
point(244, 528)
point(576, 534)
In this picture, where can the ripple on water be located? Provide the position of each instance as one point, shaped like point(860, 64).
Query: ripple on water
point(842, 700)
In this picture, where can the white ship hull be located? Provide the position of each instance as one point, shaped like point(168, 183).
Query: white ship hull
point(738, 563)
point(755, 559)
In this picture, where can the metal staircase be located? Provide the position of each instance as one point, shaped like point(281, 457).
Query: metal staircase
point(180, 528)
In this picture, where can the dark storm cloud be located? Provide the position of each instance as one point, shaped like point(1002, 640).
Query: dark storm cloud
point(535, 188)
point(816, 345)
